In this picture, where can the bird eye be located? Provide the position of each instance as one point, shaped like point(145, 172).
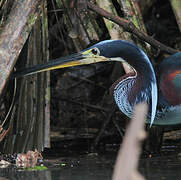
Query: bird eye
point(95, 51)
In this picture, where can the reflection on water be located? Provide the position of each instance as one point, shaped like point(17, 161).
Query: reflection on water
point(165, 167)
point(15, 174)
point(97, 167)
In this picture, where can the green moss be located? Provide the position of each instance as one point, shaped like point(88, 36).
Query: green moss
point(48, 95)
point(128, 3)
point(32, 19)
point(63, 164)
point(176, 3)
point(37, 168)
point(135, 22)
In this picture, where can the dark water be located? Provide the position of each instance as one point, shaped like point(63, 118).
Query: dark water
point(94, 167)
point(165, 167)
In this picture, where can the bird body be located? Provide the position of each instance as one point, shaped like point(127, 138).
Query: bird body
point(132, 88)
point(169, 81)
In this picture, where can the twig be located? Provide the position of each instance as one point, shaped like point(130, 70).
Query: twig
point(83, 104)
point(102, 130)
point(56, 10)
point(12, 103)
point(121, 133)
point(82, 79)
point(3, 133)
point(130, 27)
point(59, 26)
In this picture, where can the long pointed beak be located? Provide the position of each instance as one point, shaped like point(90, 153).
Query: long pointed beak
point(76, 59)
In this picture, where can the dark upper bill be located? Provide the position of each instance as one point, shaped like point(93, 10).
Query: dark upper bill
point(82, 58)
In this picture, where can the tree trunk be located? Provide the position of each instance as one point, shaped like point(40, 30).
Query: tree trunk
point(29, 122)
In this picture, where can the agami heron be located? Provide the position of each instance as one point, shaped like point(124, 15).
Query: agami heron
point(132, 88)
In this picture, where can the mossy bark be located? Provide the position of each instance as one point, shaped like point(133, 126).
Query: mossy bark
point(176, 6)
point(14, 34)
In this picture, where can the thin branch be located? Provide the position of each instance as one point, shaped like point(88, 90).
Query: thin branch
point(99, 108)
point(102, 130)
point(130, 27)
